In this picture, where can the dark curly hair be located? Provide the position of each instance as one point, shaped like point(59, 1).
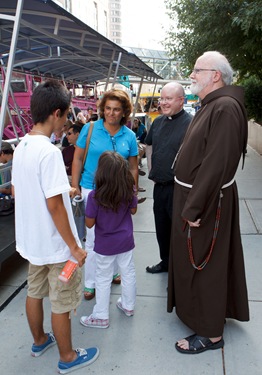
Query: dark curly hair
point(122, 97)
point(47, 98)
point(114, 181)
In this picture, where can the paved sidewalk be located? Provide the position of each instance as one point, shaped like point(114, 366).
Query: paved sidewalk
point(144, 343)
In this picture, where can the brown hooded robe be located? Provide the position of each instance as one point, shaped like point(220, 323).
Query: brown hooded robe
point(208, 159)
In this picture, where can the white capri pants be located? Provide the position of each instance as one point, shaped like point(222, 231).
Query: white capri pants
point(104, 272)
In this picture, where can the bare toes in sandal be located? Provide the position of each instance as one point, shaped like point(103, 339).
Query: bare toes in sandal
point(195, 344)
point(89, 293)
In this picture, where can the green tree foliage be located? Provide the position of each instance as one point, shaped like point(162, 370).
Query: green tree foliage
point(253, 98)
point(232, 27)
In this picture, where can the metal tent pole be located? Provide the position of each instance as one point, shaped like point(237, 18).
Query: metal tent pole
point(16, 19)
point(117, 67)
point(109, 71)
point(137, 98)
point(151, 101)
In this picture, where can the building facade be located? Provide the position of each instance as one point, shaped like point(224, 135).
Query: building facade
point(115, 21)
point(103, 16)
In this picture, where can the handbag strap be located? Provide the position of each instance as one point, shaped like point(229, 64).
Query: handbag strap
point(88, 141)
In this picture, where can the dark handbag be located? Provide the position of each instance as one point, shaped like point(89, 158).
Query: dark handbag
point(78, 208)
point(7, 205)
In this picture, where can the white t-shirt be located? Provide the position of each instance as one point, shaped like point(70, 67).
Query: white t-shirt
point(39, 173)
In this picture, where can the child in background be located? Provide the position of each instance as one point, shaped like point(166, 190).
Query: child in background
point(109, 207)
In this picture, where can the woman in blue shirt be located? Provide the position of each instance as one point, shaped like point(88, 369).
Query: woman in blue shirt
point(109, 134)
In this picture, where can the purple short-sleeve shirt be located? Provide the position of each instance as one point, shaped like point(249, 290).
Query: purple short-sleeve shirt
point(113, 230)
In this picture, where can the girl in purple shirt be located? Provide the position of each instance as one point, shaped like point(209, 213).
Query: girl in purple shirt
point(109, 207)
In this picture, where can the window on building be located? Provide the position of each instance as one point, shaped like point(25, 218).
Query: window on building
point(115, 13)
point(116, 27)
point(115, 20)
point(116, 33)
point(115, 6)
point(117, 41)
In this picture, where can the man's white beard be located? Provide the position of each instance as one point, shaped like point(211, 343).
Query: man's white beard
point(195, 88)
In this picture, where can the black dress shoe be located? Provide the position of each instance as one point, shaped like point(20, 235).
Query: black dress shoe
point(141, 173)
point(158, 268)
point(141, 199)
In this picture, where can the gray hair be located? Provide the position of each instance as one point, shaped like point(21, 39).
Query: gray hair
point(220, 63)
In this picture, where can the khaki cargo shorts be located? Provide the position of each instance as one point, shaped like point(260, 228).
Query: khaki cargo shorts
point(43, 282)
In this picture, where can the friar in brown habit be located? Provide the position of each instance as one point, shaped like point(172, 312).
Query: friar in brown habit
point(206, 267)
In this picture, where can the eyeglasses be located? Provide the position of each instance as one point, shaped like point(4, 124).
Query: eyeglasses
point(69, 133)
point(196, 71)
point(168, 100)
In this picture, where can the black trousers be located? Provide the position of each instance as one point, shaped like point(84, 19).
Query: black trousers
point(163, 203)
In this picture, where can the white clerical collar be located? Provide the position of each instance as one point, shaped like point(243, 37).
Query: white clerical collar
point(176, 115)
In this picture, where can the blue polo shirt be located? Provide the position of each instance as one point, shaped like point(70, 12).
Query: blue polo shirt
point(123, 142)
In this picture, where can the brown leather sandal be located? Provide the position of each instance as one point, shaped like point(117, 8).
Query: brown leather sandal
point(89, 293)
point(116, 279)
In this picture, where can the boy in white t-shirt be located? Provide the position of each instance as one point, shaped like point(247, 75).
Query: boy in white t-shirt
point(46, 234)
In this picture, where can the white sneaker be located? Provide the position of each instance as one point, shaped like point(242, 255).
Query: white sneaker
point(125, 311)
point(90, 321)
